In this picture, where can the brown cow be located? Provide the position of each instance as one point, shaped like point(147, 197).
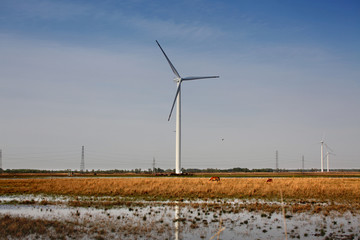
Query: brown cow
point(214, 179)
point(269, 180)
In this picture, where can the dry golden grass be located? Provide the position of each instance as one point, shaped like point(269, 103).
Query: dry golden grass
point(303, 189)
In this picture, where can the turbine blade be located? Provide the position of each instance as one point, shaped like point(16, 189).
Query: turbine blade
point(171, 65)
point(327, 147)
point(196, 78)
point(177, 93)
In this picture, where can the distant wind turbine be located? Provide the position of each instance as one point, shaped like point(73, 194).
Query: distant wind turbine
point(322, 154)
point(328, 159)
point(329, 152)
point(177, 99)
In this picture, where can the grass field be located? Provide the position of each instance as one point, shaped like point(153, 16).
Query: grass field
point(301, 189)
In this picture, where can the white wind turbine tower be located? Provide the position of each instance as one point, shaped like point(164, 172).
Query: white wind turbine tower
point(322, 154)
point(177, 99)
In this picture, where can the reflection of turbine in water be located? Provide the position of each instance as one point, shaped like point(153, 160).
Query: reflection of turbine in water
point(176, 220)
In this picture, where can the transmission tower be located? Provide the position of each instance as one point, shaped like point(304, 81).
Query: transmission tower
point(302, 162)
point(153, 165)
point(82, 163)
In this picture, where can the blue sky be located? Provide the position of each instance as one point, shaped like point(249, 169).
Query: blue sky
point(89, 73)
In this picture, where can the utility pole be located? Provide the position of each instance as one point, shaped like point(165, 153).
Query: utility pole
point(82, 163)
point(153, 165)
point(277, 160)
point(302, 160)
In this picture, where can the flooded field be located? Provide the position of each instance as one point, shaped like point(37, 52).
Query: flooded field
point(116, 218)
point(180, 208)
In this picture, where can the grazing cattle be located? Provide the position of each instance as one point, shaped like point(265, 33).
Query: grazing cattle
point(214, 179)
point(269, 180)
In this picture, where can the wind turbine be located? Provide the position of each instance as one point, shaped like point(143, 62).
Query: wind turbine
point(178, 79)
point(329, 152)
point(327, 159)
point(322, 154)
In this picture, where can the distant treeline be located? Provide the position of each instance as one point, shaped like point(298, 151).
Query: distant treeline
point(160, 170)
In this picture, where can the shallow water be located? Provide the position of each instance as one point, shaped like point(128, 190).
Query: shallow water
point(186, 222)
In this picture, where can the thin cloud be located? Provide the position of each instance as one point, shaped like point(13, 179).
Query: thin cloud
point(163, 28)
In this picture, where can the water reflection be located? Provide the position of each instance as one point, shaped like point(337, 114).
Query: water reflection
point(176, 220)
